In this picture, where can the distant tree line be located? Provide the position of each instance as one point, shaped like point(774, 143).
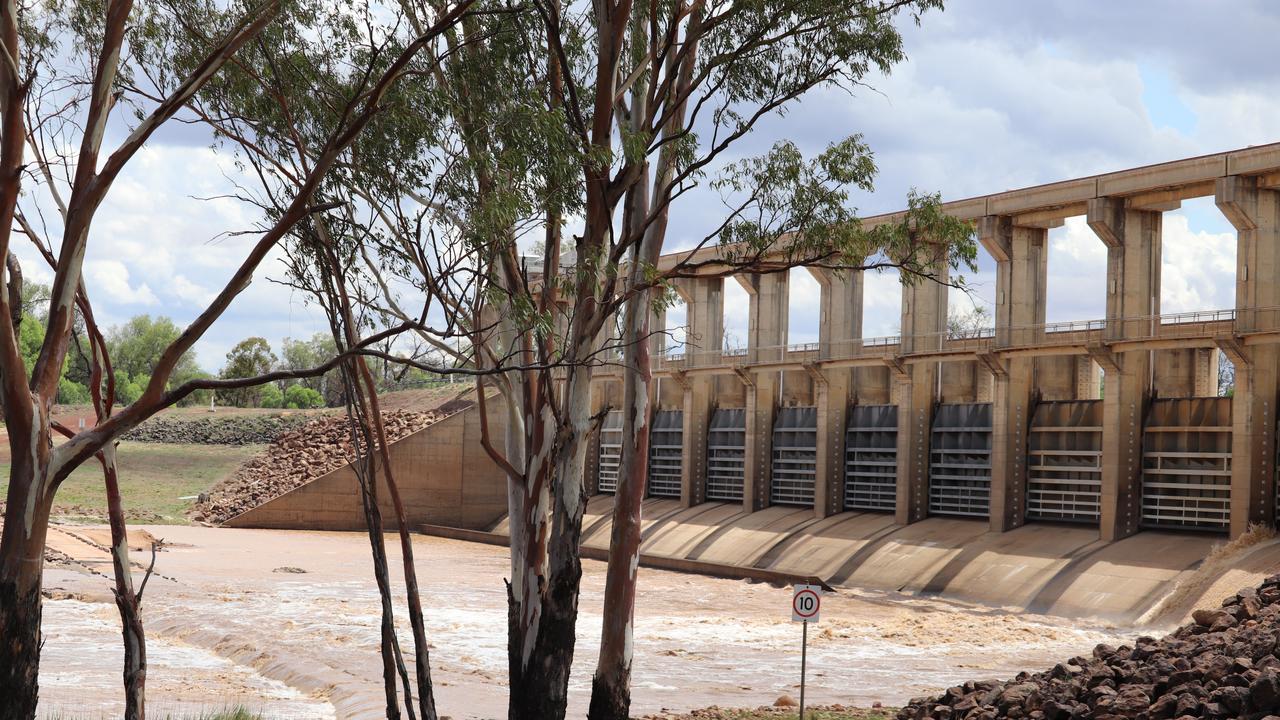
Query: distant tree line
point(136, 347)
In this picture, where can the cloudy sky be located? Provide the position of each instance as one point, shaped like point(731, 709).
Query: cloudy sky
point(1002, 94)
point(996, 95)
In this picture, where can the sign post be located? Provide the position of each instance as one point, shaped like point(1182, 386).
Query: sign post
point(806, 602)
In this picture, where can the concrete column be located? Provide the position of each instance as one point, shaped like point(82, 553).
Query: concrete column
point(591, 470)
point(767, 328)
point(762, 397)
point(1133, 243)
point(924, 319)
point(840, 321)
point(839, 330)
point(916, 392)
point(831, 395)
point(1255, 213)
point(1021, 255)
point(658, 340)
point(693, 455)
point(704, 301)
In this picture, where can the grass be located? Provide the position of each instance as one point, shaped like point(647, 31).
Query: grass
point(152, 478)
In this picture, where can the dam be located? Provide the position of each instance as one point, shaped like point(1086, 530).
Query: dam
point(1112, 424)
point(1074, 468)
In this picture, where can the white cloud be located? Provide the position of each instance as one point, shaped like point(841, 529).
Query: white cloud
point(1198, 271)
point(191, 292)
point(111, 277)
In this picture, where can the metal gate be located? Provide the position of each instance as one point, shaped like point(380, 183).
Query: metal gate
point(1186, 464)
point(610, 458)
point(871, 458)
point(795, 452)
point(665, 450)
point(1064, 462)
point(726, 454)
point(960, 461)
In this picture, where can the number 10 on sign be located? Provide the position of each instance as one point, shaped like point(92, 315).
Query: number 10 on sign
point(806, 602)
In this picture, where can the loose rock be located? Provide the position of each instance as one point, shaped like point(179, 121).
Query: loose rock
point(296, 458)
point(1222, 665)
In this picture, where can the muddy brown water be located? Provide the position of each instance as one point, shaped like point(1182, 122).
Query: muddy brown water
point(228, 626)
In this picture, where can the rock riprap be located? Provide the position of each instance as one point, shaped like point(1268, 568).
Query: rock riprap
point(1224, 664)
point(294, 459)
point(234, 430)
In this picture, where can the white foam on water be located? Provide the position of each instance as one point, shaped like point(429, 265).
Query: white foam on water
point(81, 662)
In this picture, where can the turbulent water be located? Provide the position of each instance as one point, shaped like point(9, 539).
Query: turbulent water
point(227, 629)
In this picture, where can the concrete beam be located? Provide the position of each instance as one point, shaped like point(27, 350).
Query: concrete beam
point(1106, 219)
point(995, 233)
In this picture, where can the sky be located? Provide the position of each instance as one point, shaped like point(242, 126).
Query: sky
point(995, 95)
point(1002, 94)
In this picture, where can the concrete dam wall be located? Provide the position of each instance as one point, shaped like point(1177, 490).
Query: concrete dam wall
point(1080, 468)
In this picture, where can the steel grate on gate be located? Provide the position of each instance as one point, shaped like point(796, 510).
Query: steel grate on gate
point(665, 452)
point(610, 458)
point(1064, 462)
point(795, 452)
point(1186, 464)
point(871, 458)
point(960, 460)
point(726, 454)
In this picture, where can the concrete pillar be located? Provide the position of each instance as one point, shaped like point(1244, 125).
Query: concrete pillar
point(924, 319)
point(831, 395)
point(600, 400)
point(658, 340)
point(1133, 242)
point(762, 397)
point(1255, 213)
point(1021, 255)
point(704, 303)
point(767, 326)
point(840, 320)
point(839, 330)
point(698, 401)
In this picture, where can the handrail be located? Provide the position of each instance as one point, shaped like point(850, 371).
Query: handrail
point(1178, 326)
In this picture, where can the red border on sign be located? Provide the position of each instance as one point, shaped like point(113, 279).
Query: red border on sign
point(817, 603)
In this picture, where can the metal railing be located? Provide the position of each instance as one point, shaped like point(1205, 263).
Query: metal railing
point(1205, 324)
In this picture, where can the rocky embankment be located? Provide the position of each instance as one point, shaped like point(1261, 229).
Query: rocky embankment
point(297, 457)
point(234, 430)
point(1222, 665)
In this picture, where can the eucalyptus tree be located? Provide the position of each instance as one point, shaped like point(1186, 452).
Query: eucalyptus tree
point(656, 97)
point(70, 69)
point(578, 129)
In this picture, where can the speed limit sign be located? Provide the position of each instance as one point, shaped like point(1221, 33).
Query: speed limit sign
point(805, 603)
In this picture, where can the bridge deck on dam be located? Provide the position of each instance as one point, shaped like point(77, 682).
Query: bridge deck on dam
point(1051, 569)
